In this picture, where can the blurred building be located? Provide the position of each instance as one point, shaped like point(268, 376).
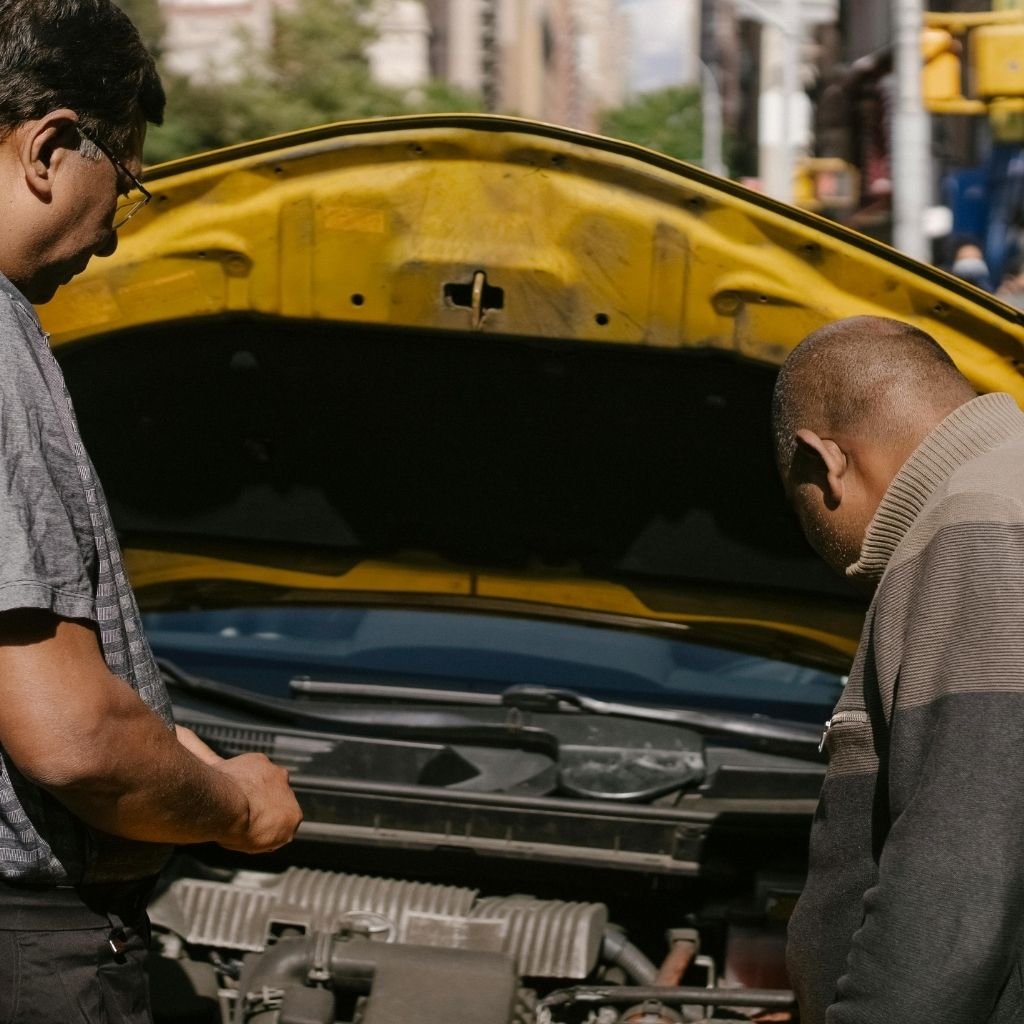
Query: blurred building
point(204, 37)
point(400, 55)
point(744, 56)
point(537, 72)
point(462, 42)
point(603, 45)
point(554, 60)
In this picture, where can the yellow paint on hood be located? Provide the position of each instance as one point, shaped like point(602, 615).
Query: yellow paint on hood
point(586, 239)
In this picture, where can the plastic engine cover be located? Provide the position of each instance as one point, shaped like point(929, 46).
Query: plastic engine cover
point(545, 938)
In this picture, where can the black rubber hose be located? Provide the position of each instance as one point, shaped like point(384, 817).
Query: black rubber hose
point(623, 995)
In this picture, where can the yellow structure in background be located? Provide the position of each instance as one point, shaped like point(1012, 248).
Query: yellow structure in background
point(826, 184)
point(942, 75)
point(995, 47)
point(998, 52)
point(1007, 126)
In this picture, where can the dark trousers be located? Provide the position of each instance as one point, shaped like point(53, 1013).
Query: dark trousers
point(72, 956)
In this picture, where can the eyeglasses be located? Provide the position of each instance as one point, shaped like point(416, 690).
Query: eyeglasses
point(132, 199)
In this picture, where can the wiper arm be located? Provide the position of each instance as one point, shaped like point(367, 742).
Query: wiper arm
point(749, 727)
point(792, 737)
point(446, 727)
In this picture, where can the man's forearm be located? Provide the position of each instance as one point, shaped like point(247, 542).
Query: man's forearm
point(149, 787)
point(85, 736)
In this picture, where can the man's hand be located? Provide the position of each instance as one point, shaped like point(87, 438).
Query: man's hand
point(83, 734)
point(274, 813)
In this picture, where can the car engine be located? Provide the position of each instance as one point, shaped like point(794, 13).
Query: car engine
point(309, 946)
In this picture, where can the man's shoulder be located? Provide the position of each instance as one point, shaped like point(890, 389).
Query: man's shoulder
point(986, 491)
point(982, 497)
point(14, 303)
point(13, 315)
point(988, 487)
point(18, 327)
point(20, 337)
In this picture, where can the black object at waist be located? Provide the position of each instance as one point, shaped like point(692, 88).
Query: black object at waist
point(72, 908)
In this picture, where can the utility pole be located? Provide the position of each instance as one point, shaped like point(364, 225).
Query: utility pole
point(712, 157)
point(785, 109)
point(911, 136)
point(779, 106)
point(792, 42)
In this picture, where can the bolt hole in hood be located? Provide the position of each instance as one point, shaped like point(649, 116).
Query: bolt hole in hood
point(460, 385)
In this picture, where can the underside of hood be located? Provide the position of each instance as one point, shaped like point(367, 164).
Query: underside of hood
point(478, 347)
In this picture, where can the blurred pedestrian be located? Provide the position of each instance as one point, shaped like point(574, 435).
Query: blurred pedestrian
point(969, 265)
point(1011, 291)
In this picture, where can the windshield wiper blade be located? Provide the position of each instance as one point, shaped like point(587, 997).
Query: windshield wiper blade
point(542, 699)
point(389, 692)
point(795, 737)
point(431, 726)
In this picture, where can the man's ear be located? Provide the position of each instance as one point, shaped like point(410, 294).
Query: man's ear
point(821, 462)
point(41, 146)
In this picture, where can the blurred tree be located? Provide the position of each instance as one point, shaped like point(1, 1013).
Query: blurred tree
point(667, 120)
point(148, 20)
point(315, 71)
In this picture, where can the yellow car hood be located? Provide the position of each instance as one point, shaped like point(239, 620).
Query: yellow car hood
point(501, 236)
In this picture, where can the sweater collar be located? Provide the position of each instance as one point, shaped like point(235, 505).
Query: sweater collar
point(975, 428)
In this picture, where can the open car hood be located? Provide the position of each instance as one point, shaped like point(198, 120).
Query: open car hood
point(477, 361)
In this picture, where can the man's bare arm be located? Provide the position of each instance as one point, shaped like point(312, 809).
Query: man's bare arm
point(78, 731)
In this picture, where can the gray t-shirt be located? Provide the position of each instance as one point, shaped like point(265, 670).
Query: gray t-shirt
point(59, 552)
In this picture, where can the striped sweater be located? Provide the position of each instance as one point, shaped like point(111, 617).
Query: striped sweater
point(913, 910)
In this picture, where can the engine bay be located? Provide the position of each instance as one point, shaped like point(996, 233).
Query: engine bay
point(304, 945)
point(458, 865)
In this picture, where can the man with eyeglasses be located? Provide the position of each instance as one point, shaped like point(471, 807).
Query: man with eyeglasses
point(96, 783)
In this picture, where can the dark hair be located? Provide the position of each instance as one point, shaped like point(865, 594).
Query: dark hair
point(81, 54)
point(863, 372)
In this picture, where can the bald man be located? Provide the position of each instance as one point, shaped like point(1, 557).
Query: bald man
point(910, 484)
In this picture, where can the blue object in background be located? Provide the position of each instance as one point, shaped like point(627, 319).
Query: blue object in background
point(988, 204)
point(1006, 207)
point(967, 193)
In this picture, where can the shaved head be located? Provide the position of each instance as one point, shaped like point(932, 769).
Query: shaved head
point(851, 403)
point(865, 376)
